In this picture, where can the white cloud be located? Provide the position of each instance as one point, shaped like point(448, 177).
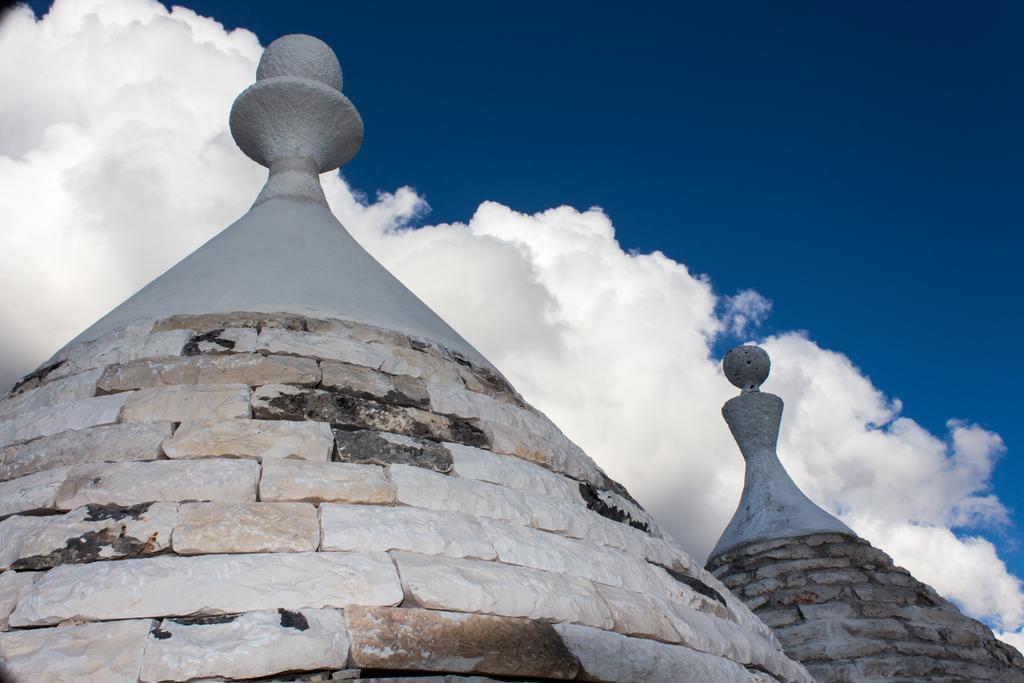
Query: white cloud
point(1015, 638)
point(116, 162)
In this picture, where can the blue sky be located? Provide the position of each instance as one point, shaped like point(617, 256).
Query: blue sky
point(859, 164)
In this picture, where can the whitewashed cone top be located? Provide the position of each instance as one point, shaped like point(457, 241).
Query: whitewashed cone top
point(289, 252)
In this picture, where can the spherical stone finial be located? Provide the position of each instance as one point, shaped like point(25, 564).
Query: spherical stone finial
point(746, 367)
point(300, 56)
point(295, 115)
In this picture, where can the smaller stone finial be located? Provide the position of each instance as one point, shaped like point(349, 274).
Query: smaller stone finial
point(294, 119)
point(771, 506)
point(747, 367)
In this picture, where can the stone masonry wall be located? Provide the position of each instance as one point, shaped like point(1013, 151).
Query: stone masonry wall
point(849, 614)
point(281, 498)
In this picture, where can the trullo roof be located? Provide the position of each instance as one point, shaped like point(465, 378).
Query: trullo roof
point(274, 462)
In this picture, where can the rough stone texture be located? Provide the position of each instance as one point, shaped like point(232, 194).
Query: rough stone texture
point(88, 653)
point(337, 482)
point(92, 532)
point(61, 417)
point(605, 656)
point(206, 323)
point(250, 645)
point(358, 527)
point(210, 369)
point(424, 489)
point(506, 470)
point(107, 443)
point(123, 345)
point(221, 340)
point(278, 401)
point(33, 493)
point(383, 448)
point(527, 547)
point(517, 431)
point(207, 585)
point(362, 382)
point(482, 587)
point(425, 361)
point(322, 346)
point(848, 613)
point(130, 483)
point(13, 587)
point(613, 506)
point(187, 402)
point(257, 439)
point(71, 388)
point(246, 528)
point(428, 640)
point(637, 614)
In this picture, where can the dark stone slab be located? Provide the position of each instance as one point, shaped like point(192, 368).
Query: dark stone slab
point(373, 448)
point(351, 413)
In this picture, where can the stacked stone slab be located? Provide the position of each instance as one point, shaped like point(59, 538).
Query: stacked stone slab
point(837, 604)
point(325, 496)
point(242, 489)
point(848, 613)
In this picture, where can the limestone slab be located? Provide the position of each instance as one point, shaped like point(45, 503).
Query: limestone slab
point(515, 430)
point(444, 583)
point(250, 645)
point(429, 532)
point(428, 364)
point(62, 417)
point(429, 640)
point(87, 653)
point(425, 489)
point(92, 532)
point(208, 584)
point(232, 368)
point(187, 402)
point(707, 633)
point(506, 470)
point(526, 547)
point(280, 401)
point(130, 483)
point(246, 528)
point(32, 493)
point(364, 382)
point(13, 587)
point(257, 439)
point(325, 482)
point(124, 345)
point(638, 614)
point(319, 345)
point(613, 657)
point(71, 388)
point(106, 443)
point(383, 448)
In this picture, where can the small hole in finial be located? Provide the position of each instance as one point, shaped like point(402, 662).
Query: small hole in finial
point(748, 362)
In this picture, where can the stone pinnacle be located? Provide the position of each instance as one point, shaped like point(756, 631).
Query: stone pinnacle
point(294, 119)
point(771, 506)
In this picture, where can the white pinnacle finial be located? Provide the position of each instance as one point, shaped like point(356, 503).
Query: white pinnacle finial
point(294, 119)
point(771, 506)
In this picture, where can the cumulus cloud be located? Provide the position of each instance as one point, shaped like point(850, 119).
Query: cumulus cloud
point(116, 162)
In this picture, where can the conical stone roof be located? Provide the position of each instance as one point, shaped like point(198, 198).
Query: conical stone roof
point(837, 604)
point(275, 463)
